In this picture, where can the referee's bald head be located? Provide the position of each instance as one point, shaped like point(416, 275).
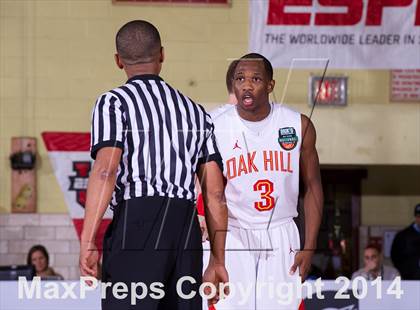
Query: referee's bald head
point(138, 42)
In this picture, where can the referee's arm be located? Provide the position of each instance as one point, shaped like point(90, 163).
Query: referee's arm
point(212, 188)
point(99, 192)
point(106, 148)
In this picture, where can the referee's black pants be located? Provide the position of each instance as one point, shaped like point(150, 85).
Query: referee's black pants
point(153, 240)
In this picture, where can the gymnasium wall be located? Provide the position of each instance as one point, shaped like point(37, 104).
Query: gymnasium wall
point(57, 56)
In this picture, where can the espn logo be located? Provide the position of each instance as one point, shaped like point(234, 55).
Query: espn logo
point(278, 16)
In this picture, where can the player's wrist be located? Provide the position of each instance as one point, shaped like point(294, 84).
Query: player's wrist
point(309, 247)
point(309, 250)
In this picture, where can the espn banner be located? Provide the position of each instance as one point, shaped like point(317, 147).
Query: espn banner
point(359, 34)
point(69, 153)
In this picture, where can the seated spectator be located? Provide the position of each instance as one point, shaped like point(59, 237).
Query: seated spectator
point(39, 258)
point(374, 266)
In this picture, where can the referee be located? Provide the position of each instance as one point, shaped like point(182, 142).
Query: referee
point(149, 141)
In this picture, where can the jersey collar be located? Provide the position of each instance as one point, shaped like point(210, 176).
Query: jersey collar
point(145, 77)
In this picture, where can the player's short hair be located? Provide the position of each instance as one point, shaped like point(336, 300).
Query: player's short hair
point(229, 76)
point(267, 64)
point(137, 42)
point(374, 247)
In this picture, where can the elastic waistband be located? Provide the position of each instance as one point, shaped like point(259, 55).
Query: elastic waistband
point(234, 223)
point(156, 198)
point(153, 200)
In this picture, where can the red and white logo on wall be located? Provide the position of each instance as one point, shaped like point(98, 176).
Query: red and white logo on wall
point(69, 153)
point(350, 33)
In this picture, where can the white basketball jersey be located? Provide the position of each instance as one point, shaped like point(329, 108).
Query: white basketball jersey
point(261, 168)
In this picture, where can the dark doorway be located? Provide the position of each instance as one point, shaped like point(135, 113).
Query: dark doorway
point(337, 248)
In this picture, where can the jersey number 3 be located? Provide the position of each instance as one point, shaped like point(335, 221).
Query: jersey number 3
point(267, 201)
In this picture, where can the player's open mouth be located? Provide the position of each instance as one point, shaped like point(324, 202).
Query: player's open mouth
point(247, 100)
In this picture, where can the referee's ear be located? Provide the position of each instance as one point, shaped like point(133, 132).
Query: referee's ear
point(162, 55)
point(118, 61)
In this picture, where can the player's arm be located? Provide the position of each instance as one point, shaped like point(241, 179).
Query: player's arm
point(201, 215)
point(313, 196)
point(99, 191)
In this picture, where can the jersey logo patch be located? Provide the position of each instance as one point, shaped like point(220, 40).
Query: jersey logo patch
point(287, 138)
point(236, 146)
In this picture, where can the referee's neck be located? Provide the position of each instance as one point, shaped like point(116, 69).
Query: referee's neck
point(143, 68)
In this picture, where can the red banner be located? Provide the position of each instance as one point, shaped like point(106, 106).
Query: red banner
point(69, 153)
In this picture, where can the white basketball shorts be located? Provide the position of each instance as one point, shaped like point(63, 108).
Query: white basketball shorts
point(258, 263)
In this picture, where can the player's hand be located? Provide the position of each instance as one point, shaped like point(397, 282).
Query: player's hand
point(303, 260)
point(203, 227)
point(217, 275)
point(88, 260)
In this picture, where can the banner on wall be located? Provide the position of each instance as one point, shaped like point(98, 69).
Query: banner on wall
point(69, 153)
point(357, 34)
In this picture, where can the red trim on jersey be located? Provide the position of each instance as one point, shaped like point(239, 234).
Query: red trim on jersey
point(200, 205)
point(67, 141)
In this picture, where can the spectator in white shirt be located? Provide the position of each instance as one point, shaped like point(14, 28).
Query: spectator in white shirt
point(374, 267)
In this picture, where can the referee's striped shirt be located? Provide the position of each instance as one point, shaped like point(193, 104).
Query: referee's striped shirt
point(163, 134)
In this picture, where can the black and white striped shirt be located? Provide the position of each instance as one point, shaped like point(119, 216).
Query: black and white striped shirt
point(164, 136)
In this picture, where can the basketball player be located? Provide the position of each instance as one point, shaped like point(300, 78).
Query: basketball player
point(265, 147)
